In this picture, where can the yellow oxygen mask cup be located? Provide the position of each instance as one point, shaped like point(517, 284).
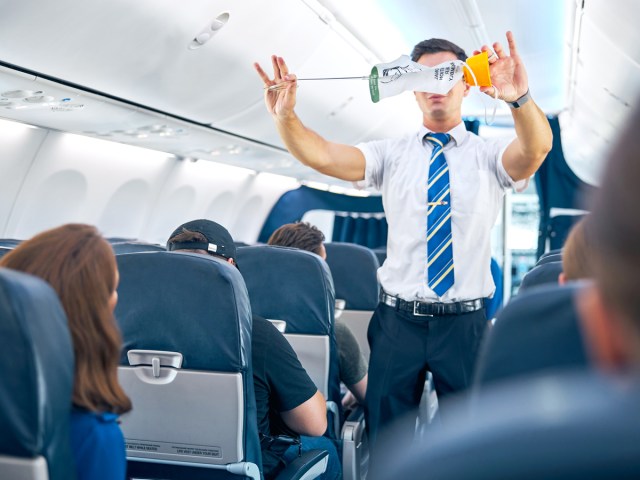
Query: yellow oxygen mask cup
point(476, 71)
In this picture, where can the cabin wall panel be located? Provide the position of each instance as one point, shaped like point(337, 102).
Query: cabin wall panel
point(52, 178)
point(20, 145)
point(237, 198)
point(80, 179)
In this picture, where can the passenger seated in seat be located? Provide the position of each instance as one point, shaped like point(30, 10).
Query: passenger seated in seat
point(578, 252)
point(353, 367)
point(287, 401)
point(80, 266)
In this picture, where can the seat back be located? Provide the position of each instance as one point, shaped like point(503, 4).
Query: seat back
point(36, 383)
point(132, 246)
point(551, 252)
point(549, 258)
point(537, 331)
point(9, 242)
point(296, 286)
point(186, 325)
point(570, 426)
point(547, 273)
point(354, 269)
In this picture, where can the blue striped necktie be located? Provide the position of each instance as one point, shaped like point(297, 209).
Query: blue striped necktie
point(440, 272)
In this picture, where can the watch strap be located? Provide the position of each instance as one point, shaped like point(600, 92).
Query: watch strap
point(520, 101)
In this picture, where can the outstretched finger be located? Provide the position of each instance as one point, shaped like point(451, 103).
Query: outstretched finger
point(497, 47)
point(284, 70)
point(513, 51)
point(276, 69)
point(491, 55)
point(265, 78)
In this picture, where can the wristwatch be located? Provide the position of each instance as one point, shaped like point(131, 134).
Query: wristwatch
point(521, 101)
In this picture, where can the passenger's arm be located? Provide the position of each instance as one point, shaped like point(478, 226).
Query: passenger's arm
point(308, 418)
point(337, 160)
point(534, 139)
point(359, 389)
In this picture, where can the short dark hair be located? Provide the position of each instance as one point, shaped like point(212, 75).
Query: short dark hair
point(300, 235)
point(437, 45)
point(616, 228)
point(187, 236)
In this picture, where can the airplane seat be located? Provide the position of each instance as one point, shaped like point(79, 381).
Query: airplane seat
point(186, 364)
point(36, 383)
point(354, 270)
point(557, 257)
point(557, 251)
point(536, 332)
point(9, 242)
point(547, 273)
point(120, 239)
point(571, 425)
point(296, 286)
point(136, 246)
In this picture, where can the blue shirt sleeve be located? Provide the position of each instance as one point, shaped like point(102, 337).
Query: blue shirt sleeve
point(98, 446)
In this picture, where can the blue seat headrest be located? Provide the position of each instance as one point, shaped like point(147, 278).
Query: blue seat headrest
point(135, 246)
point(538, 330)
point(542, 274)
point(549, 258)
point(37, 364)
point(354, 269)
point(185, 302)
point(289, 284)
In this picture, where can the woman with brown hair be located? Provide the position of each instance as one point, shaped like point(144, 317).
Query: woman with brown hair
point(81, 267)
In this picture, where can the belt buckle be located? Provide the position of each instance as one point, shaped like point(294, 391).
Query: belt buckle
point(416, 313)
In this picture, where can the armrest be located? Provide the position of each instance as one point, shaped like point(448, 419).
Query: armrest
point(355, 446)
point(309, 465)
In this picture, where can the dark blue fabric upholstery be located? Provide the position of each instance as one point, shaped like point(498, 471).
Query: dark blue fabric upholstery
point(135, 246)
point(537, 331)
point(570, 426)
point(547, 273)
point(196, 305)
point(4, 251)
point(37, 365)
point(296, 286)
point(354, 270)
point(9, 242)
point(550, 258)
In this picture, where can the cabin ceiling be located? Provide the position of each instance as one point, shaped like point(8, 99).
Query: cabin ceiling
point(124, 71)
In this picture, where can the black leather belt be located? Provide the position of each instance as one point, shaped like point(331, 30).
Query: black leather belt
point(431, 309)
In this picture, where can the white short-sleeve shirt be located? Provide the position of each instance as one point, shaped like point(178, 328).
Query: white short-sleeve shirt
point(399, 168)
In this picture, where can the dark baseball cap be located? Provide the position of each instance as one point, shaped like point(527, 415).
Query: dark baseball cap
point(219, 241)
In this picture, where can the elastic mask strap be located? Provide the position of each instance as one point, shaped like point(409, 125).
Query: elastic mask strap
point(495, 96)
